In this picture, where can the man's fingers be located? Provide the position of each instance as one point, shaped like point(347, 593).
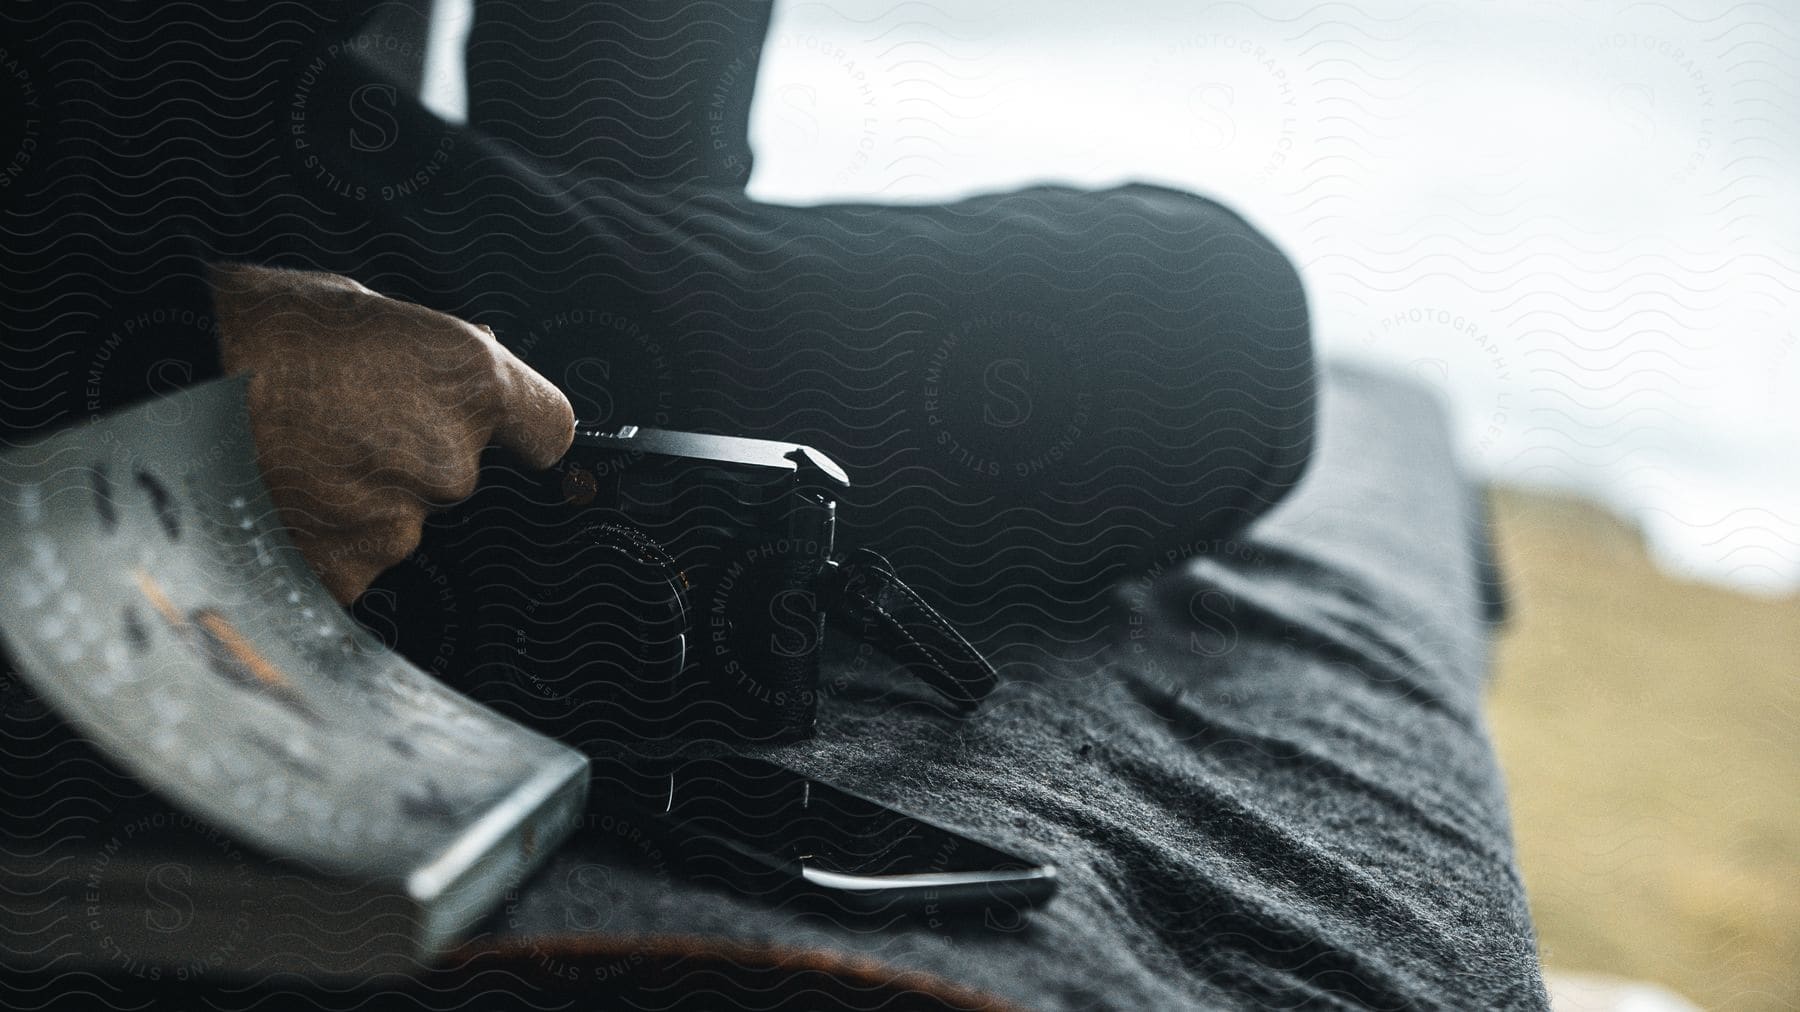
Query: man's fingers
point(536, 421)
point(368, 411)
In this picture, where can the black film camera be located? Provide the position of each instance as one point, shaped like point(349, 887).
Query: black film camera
point(661, 584)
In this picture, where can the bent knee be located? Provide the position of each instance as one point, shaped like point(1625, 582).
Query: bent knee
point(1225, 308)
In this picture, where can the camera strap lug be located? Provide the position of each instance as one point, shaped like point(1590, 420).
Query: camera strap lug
point(865, 597)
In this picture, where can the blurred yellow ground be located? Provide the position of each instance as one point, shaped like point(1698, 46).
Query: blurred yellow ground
point(1650, 732)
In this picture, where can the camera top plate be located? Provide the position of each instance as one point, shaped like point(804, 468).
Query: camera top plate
point(807, 465)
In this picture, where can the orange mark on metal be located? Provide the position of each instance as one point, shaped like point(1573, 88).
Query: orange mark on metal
point(220, 629)
point(153, 593)
point(243, 651)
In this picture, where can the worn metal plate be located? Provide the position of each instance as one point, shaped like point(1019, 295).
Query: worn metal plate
point(149, 595)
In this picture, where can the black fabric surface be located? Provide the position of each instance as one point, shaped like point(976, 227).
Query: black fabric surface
point(1280, 794)
point(656, 93)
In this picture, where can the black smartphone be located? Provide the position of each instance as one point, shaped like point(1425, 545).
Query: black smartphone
point(765, 830)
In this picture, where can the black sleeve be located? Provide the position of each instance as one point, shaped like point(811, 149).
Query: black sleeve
point(93, 341)
point(95, 317)
point(145, 147)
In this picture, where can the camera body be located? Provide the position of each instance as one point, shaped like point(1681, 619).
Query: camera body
point(653, 585)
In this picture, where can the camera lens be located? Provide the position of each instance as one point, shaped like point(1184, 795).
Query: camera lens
point(604, 642)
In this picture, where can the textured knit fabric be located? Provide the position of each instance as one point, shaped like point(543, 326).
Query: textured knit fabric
point(1274, 790)
point(1279, 792)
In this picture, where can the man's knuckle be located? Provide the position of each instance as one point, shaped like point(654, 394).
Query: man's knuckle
point(458, 481)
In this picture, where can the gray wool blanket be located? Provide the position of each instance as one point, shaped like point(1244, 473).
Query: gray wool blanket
point(1276, 789)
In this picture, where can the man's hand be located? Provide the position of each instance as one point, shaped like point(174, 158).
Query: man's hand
point(369, 412)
